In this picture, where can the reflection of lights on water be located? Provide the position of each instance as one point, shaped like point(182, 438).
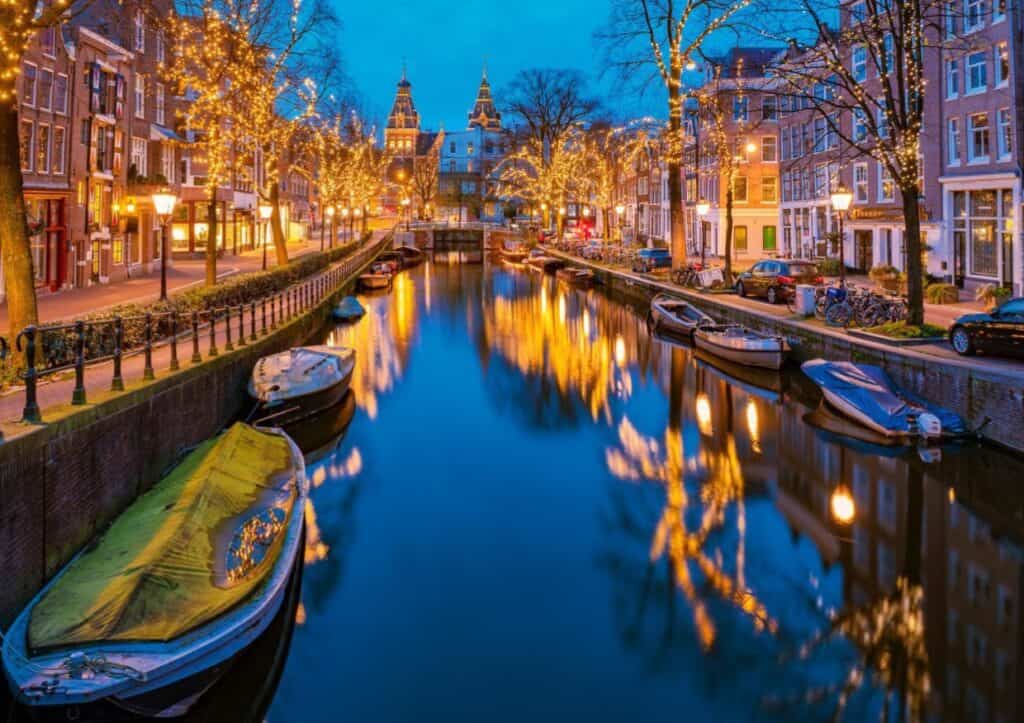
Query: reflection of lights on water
point(319, 477)
point(561, 308)
point(842, 505)
point(586, 322)
point(753, 426)
point(952, 495)
point(543, 299)
point(351, 466)
point(704, 414)
point(426, 285)
point(300, 614)
point(620, 350)
point(316, 549)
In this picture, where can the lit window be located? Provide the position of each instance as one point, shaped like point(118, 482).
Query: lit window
point(43, 148)
point(140, 96)
point(28, 139)
point(769, 189)
point(769, 149)
point(860, 182)
point(886, 187)
point(1005, 139)
point(978, 137)
point(1001, 64)
point(58, 150)
point(28, 84)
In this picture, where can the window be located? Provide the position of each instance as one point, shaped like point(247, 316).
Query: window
point(953, 141)
point(160, 103)
point(769, 108)
point(45, 94)
point(140, 31)
point(998, 11)
point(139, 155)
point(888, 61)
point(167, 162)
point(977, 144)
point(451, 147)
point(60, 94)
point(739, 238)
point(43, 148)
point(469, 149)
point(858, 12)
point(883, 120)
point(28, 84)
point(860, 182)
point(769, 189)
point(140, 96)
point(952, 13)
point(974, 14)
point(952, 78)
point(769, 149)
point(58, 150)
point(860, 63)
point(739, 108)
point(768, 238)
point(977, 77)
point(1001, 64)
point(160, 52)
point(886, 187)
point(1005, 130)
point(860, 125)
point(739, 189)
point(48, 41)
point(821, 180)
point(820, 133)
point(28, 138)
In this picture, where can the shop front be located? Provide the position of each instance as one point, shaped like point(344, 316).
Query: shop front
point(48, 238)
point(983, 222)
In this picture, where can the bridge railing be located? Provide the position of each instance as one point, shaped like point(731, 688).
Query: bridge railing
point(58, 348)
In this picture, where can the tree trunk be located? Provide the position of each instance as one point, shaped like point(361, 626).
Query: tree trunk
point(211, 240)
point(677, 219)
point(728, 234)
point(15, 246)
point(915, 271)
point(280, 244)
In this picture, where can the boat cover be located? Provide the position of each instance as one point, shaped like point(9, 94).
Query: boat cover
point(349, 308)
point(300, 371)
point(187, 551)
point(869, 389)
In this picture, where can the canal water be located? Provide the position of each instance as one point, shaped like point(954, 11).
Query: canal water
point(539, 511)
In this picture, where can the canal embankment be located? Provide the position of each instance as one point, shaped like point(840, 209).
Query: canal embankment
point(64, 480)
point(986, 392)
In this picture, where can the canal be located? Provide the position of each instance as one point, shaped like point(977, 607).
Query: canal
point(540, 511)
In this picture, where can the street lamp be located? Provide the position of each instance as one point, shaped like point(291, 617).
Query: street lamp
point(344, 220)
point(703, 207)
point(841, 200)
point(163, 204)
point(330, 215)
point(406, 202)
point(266, 210)
point(620, 210)
point(751, 147)
point(843, 508)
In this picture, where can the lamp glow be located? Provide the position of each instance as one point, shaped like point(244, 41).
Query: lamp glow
point(163, 203)
point(841, 199)
point(842, 505)
point(703, 207)
point(265, 210)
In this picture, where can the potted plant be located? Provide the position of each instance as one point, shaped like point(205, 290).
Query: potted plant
point(991, 295)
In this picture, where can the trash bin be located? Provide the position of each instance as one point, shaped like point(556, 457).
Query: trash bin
point(805, 299)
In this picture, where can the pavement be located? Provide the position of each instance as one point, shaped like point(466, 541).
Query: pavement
point(184, 274)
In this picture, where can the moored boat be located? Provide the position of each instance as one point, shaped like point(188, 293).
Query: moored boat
point(148, 617)
point(374, 281)
point(677, 316)
point(513, 252)
point(300, 382)
point(576, 277)
point(393, 258)
point(348, 309)
point(866, 394)
point(742, 345)
point(411, 256)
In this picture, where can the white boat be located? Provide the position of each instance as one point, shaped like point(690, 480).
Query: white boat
point(375, 280)
point(678, 316)
point(742, 345)
point(300, 382)
point(148, 617)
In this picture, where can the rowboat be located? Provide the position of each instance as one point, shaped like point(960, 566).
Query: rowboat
point(513, 252)
point(576, 277)
point(300, 382)
point(148, 617)
point(742, 345)
point(678, 316)
point(548, 264)
point(866, 394)
point(411, 256)
point(375, 280)
point(348, 309)
point(394, 258)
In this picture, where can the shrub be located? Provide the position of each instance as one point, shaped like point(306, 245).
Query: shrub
point(992, 295)
point(902, 330)
point(942, 293)
point(878, 273)
point(829, 267)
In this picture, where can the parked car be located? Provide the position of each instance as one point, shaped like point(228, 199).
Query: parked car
point(593, 250)
point(776, 280)
point(646, 260)
point(1000, 331)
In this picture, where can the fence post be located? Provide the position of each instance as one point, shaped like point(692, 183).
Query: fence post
point(213, 334)
point(31, 412)
point(174, 341)
point(264, 305)
point(241, 324)
point(280, 306)
point(196, 356)
point(273, 315)
point(147, 372)
point(252, 322)
point(228, 346)
point(117, 383)
point(78, 395)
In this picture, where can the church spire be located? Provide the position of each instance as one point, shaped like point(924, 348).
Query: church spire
point(484, 114)
point(403, 110)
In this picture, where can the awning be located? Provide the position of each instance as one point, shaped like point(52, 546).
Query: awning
point(160, 133)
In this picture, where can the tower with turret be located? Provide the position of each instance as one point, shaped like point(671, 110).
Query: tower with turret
point(484, 115)
point(403, 128)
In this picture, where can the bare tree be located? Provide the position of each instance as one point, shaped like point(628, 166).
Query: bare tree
point(647, 40)
point(426, 171)
point(549, 101)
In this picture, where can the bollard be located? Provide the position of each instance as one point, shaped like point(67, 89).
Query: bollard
point(196, 356)
point(213, 334)
point(78, 395)
point(174, 342)
point(147, 372)
point(31, 412)
point(117, 383)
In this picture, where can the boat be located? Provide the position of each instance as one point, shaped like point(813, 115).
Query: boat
point(385, 267)
point(765, 384)
point(513, 252)
point(150, 615)
point(300, 382)
point(834, 427)
point(866, 394)
point(321, 433)
point(373, 281)
point(542, 262)
point(348, 309)
point(411, 256)
point(741, 345)
point(394, 258)
point(576, 277)
point(678, 316)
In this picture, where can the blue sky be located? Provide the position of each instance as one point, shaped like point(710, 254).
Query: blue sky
point(445, 44)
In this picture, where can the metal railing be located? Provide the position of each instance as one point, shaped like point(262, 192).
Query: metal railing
point(98, 341)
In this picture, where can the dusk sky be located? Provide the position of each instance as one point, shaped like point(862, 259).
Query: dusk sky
point(445, 46)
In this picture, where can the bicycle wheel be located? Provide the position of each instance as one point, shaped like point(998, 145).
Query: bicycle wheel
point(821, 308)
point(869, 315)
point(899, 311)
point(839, 314)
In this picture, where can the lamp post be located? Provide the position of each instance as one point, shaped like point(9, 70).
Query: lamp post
point(702, 210)
point(620, 210)
point(163, 204)
point(330, 215)
point(266, 210)
point(344, 218)
point(561, 222)
point(406, 203)
point(358, 213)
point(841, 200)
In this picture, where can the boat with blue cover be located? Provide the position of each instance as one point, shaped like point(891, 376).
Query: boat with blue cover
point(348, 309)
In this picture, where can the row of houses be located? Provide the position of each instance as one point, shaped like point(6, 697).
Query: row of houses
point(789, 159)
point(100, 131)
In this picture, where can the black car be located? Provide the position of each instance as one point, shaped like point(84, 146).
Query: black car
point(1000, 331)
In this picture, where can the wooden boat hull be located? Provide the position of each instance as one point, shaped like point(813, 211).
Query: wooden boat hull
point(176, 673)
point(411, 256)
point(762, 358)
point(374, 282)
point(514, 257)
point(575, 277)
point(299, 409)
point(664, 318)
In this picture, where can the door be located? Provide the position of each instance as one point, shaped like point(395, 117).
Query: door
point(864, 243)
